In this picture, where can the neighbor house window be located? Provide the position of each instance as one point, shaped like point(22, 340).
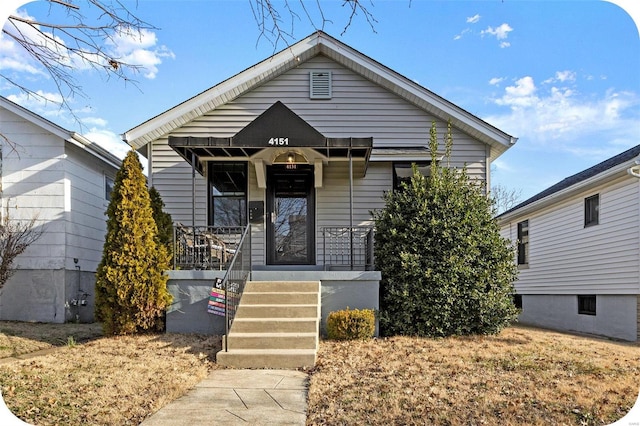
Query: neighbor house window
point(587, 305)
point(108, 187)
point(228, 189)
point(591, 208)
point(402, 173)
point(523, 242)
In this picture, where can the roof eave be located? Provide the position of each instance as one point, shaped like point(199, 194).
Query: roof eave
point(613, 173)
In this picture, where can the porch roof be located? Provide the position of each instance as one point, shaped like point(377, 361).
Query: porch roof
point(203, 149)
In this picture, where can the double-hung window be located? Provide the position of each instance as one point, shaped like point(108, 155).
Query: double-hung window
point(591, 210)
point(523, 242)
point(228, 193)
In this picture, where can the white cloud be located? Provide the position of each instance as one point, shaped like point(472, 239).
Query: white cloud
point(109, 140)
point(560, 118)
point(473, 19)
point(459, 36)
point(139, 48)
point(496, 80)
point(562, 77)
point(501, 33)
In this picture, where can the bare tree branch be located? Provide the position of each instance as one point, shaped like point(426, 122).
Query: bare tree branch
point(86, 39)
point(15, 237)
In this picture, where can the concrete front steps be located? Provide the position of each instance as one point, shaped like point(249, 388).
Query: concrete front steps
point(276, 326)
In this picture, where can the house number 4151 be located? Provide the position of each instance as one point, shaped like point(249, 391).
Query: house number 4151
point(278, 141)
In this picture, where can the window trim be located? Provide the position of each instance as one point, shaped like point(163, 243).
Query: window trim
point(586, 302)
point(523, 256)
point(592, 211)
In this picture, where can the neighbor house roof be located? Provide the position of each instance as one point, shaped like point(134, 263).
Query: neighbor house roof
point(316, 44)
point(67, 135)
point(613, 167)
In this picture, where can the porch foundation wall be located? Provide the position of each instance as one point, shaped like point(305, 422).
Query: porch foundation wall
point(188, 310)
point(339, 290)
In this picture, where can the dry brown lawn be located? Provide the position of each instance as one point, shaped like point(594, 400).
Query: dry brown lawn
point(524, 376)
point(105, 381)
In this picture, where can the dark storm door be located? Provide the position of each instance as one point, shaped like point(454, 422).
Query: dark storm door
point(290, 215)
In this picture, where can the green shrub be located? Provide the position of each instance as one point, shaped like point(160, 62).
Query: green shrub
point(351, 324)
point(445, 268)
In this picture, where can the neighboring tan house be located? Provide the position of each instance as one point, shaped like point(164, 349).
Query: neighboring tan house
point(64, 180)
point(301, 147)
point(578, 251)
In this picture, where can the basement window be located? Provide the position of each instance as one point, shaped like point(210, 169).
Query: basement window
point(320, 85)
point(587, 305)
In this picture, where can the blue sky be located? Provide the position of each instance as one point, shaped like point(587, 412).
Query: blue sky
point(562, 76)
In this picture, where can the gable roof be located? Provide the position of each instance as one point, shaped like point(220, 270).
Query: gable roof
point(615, 165)
point(302, 51)
point(67, 135)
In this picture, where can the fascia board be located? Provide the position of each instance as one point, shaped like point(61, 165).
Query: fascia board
point(95, 150)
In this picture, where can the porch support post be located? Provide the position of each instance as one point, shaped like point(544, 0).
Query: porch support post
point(351, 206)
point(193, 192)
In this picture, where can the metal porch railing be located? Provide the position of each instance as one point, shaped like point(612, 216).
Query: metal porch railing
point(347, 248)
point(205, 247)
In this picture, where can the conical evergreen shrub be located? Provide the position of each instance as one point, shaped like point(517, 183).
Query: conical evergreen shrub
point(445, 268)
point(131, 290)
point(163, 221)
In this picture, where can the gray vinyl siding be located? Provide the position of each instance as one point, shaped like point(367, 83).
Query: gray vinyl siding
point(33, 184)
point(172, 178)
point(86, 218)
point(358, 108)
point(567, 258)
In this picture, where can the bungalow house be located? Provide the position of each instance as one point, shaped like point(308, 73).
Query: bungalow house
point(64, 180)
point(300, 148)
point(578, 248)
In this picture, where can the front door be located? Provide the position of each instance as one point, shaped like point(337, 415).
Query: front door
point(290, 215)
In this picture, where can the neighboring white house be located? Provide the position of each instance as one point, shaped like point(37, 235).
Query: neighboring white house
point(65, 180)
point(302, 146)
point(578, 251)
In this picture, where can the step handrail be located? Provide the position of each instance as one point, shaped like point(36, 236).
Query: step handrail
point(235, 279)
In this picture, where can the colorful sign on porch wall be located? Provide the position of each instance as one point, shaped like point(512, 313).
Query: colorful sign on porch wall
point(217, 298)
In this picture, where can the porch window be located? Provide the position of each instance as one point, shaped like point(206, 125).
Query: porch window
point(228, 189)
point(402, 172)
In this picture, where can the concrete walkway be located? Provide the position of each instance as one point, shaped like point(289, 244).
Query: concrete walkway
point(240, 397)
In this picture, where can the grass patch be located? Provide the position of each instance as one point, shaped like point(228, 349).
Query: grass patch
point(17, 338)
point(522, 376)
point(108, 380)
